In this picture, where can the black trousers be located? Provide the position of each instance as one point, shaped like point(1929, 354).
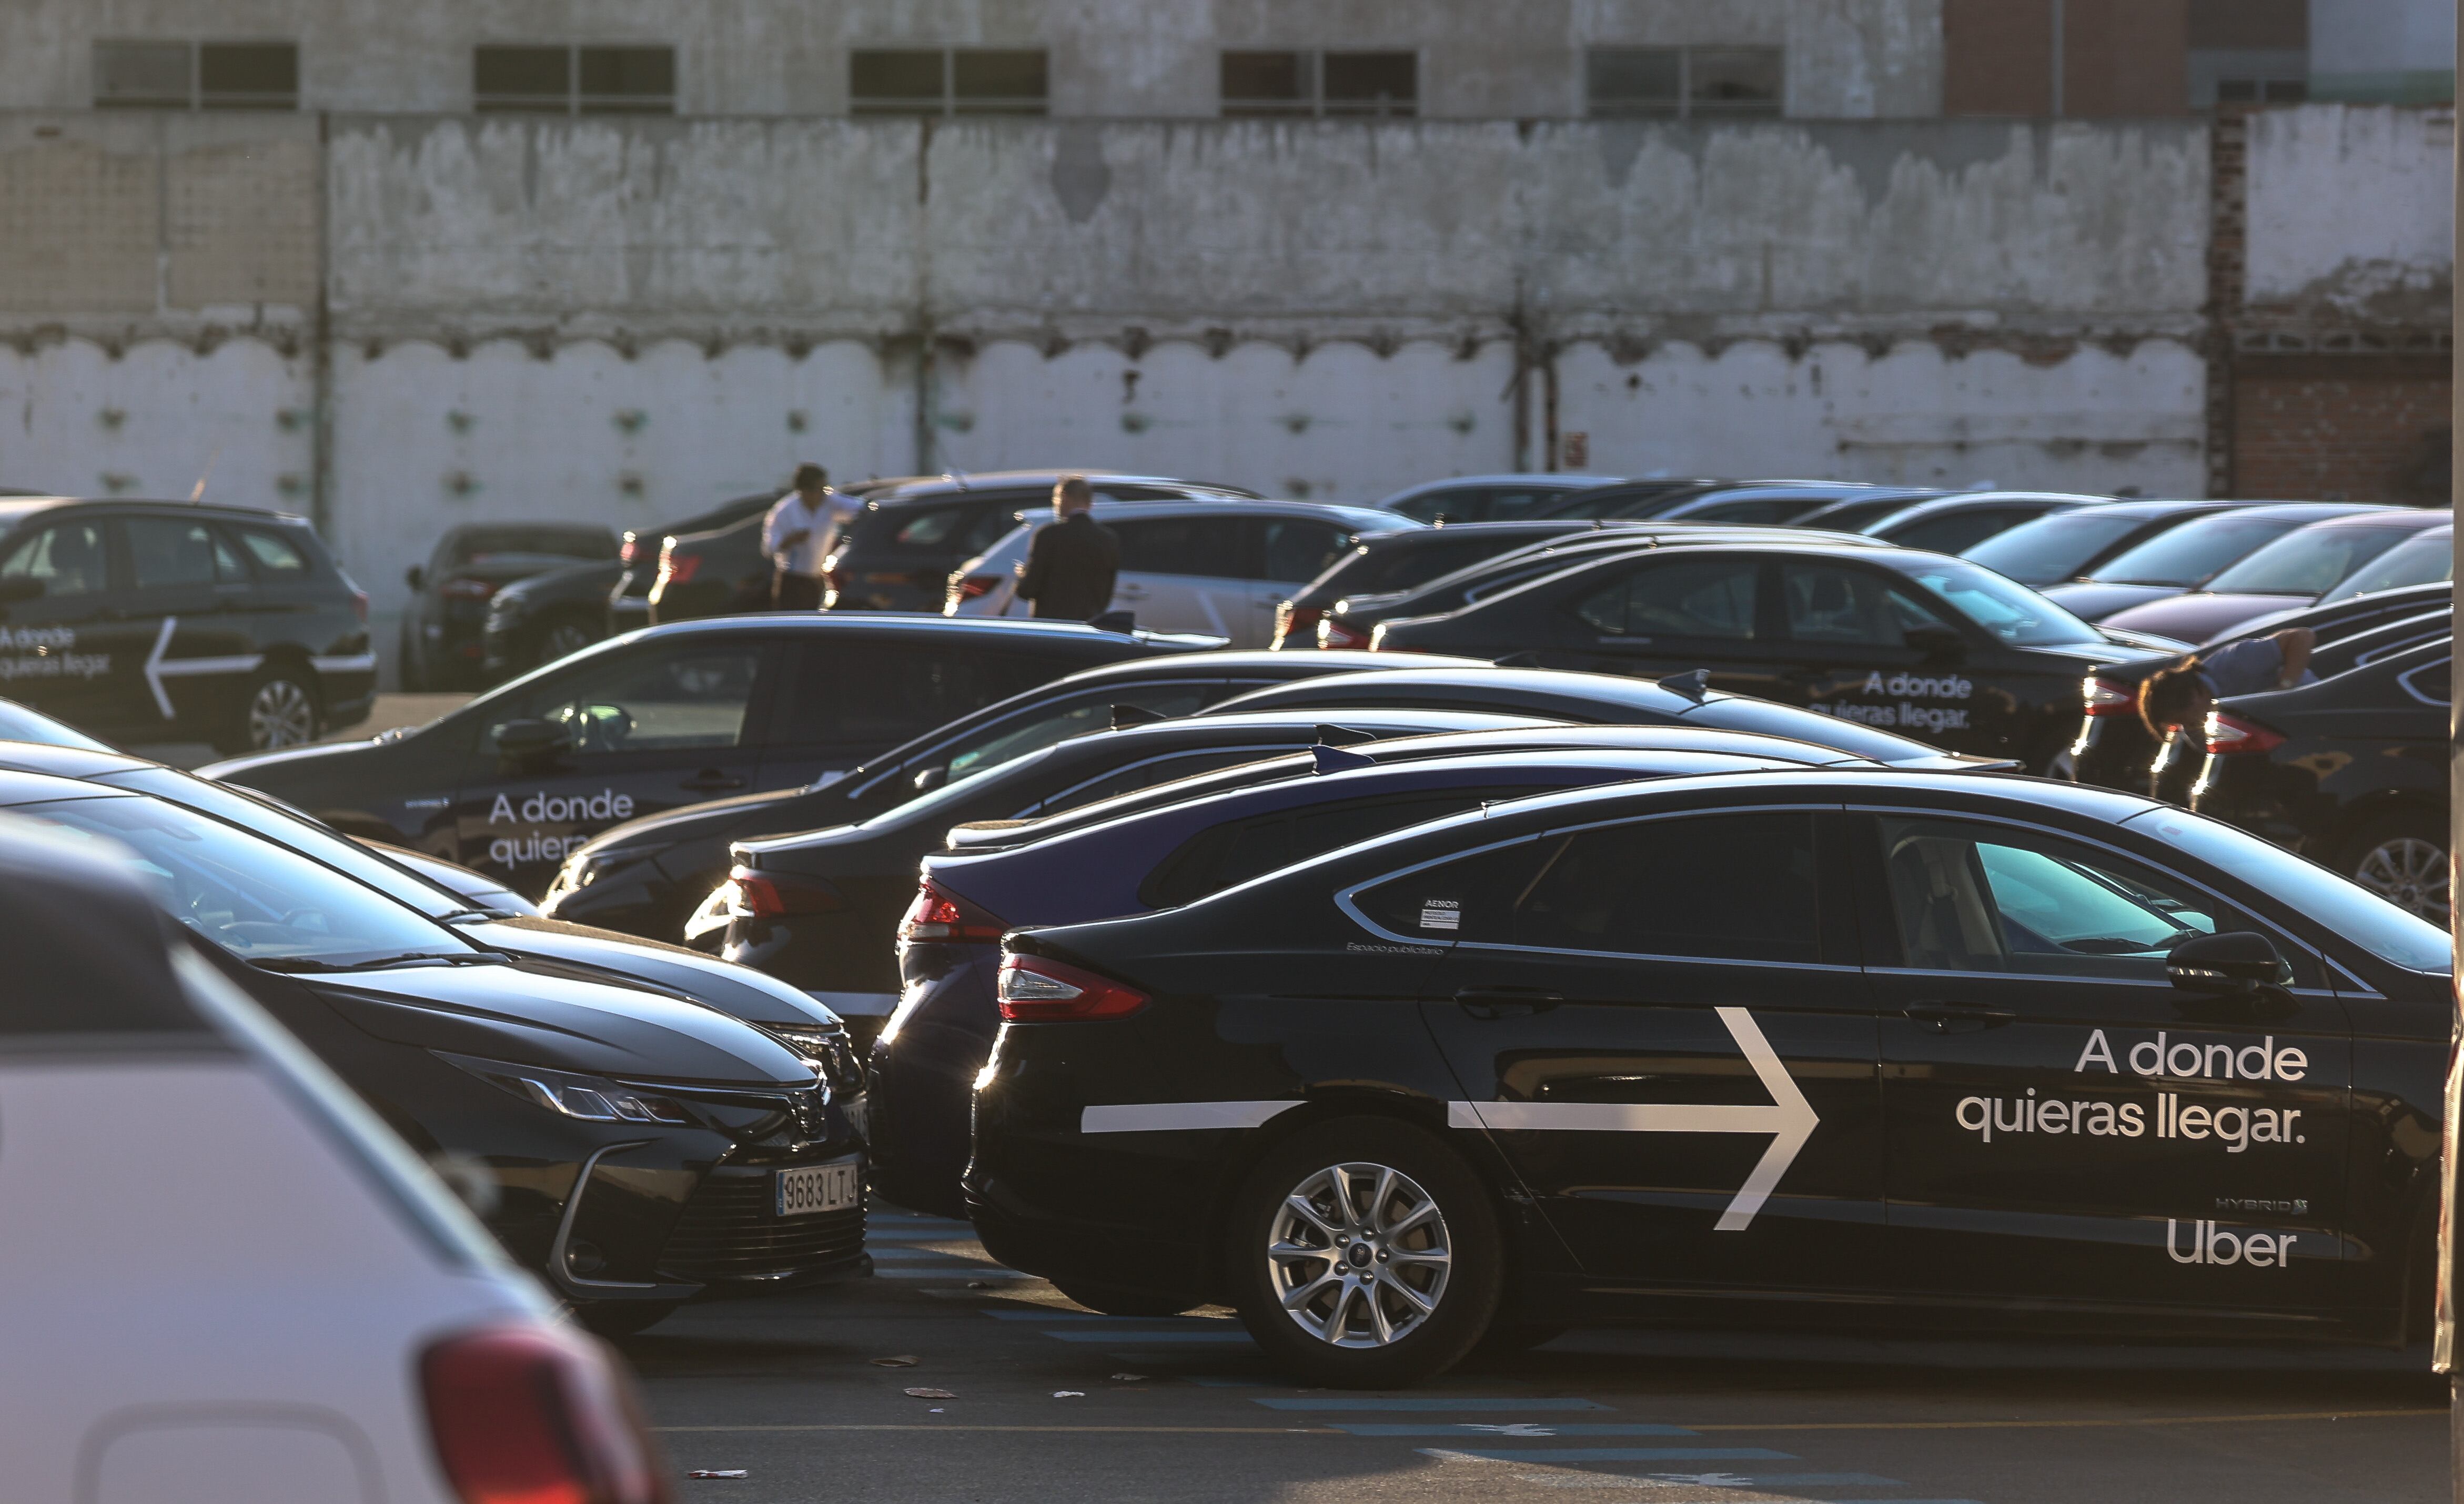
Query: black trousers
point(795, 592)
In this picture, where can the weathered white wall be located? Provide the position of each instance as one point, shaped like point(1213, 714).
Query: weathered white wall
point(1108, 58)
point(1919, 414)
point(150, 419)
point(2352, 209)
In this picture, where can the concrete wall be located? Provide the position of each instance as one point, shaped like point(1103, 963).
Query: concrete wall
point(2352, 215)
point(628, 320)
point(1108, 58)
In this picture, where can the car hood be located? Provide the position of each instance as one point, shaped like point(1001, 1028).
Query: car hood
point(538, 1015)
point(684, 824)
point(288, 759)
point(737, 991)
point(2200, 616)
point(2093, 601)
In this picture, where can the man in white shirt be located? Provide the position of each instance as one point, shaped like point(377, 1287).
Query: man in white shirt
point(802, 531)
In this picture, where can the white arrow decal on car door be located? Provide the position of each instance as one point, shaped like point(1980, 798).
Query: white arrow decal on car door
point(1790, 1118)
point(157, 668)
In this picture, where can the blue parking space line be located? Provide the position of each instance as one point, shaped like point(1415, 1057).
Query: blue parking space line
point(1163, 1338)
point(1616, 1454)
point(1514, 1429)
point(1464, 1403)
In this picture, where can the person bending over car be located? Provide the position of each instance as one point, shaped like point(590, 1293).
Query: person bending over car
point(2175, 701)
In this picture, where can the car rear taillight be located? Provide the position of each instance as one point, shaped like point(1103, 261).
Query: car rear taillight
point(1294, 622)
point(2227, 733)
point(629, 550)
point(755, 894)
point(939, 917)
point(969, 587)
point(538, 1415)
point(1332, 633)
point(676, 571)
point(2103, 697)
point(467, 590)
point(1036, 991)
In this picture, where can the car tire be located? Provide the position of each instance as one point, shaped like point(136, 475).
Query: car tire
point(2401, 857)
point(615, 1319)
point(279, 708)
point(1122, 1300)
point(1435, 1260)
point(561, 638)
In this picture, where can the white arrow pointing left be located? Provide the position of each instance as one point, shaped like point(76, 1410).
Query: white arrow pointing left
point(1790, 1119)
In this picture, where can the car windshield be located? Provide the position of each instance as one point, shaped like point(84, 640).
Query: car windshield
point(2345, 908)
point(2052, 549)
point(2191, 553)
point(2308, 562)
point(2423, 559)
point(248, 895)
point(2011, 612)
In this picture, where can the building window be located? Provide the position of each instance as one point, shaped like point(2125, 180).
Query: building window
point(938, 80)
point(1684, 83)
point(1320, 83)
point(189, 75)
point(574, 81)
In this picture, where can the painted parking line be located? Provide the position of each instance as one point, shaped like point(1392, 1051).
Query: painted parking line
point(1507, 1428)
point(1722, 1480)
point(1145, 1339)
point(1467, 1403)
point(1614, 1455)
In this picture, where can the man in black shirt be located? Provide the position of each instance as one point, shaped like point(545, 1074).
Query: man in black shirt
point(1071, 565)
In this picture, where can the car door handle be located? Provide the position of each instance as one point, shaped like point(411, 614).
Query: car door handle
point(1959, 1018)
point(1506, 1002)
point(709, 780)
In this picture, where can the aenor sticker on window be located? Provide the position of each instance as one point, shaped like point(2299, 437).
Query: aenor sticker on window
point(1440, 914)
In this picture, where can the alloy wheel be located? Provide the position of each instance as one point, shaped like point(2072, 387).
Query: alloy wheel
point(1358, 1255)
point(281, 715)
point(2408, 872)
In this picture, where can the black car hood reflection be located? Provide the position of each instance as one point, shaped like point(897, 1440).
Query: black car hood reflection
point(731, 989)
point(529, 1014)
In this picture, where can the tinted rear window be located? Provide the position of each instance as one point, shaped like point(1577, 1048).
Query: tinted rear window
point(560, 543)
point(2052, 549)
point(2192, 551)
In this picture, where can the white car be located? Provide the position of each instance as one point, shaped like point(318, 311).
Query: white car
point(228, 1283)
point(1189, 566)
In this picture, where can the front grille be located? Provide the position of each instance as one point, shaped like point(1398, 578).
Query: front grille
point(729, 1231)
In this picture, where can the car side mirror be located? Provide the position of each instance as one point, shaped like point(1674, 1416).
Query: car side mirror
point(529, 740)
point(416, 577)
point(22, 588)
point(1938, 642)
point(2235, 964)
point(932, 778)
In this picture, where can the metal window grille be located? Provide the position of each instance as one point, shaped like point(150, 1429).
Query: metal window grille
point(568, 80)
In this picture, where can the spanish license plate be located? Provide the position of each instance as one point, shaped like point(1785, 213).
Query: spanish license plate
point(810, 1188)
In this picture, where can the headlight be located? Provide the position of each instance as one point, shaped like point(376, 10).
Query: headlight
point(830, 1048)
point(590, 1098)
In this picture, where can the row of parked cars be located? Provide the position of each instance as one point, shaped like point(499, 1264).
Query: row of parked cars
point(1188, 971)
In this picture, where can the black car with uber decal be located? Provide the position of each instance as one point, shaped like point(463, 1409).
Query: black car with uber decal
point(170, 621)
point(512, 781)
point(1921, 644)
point(1793, 1046)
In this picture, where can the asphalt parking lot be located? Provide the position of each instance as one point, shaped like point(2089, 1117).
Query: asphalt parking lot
point(794, 1391)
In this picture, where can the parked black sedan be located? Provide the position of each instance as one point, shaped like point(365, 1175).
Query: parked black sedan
point(647, 874)
point(644, 1150)
point(1173, 843)
point(1953, 524)
point(2352, 771)
point(627, 603)
point(1917, 643)
point(515, 779)
point(820, 909)
point(1387, 562)
point(2070, 544)
point(443, 635)
point(1797, 1047)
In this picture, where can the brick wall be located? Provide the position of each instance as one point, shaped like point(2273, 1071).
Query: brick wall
point(2362, 428)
